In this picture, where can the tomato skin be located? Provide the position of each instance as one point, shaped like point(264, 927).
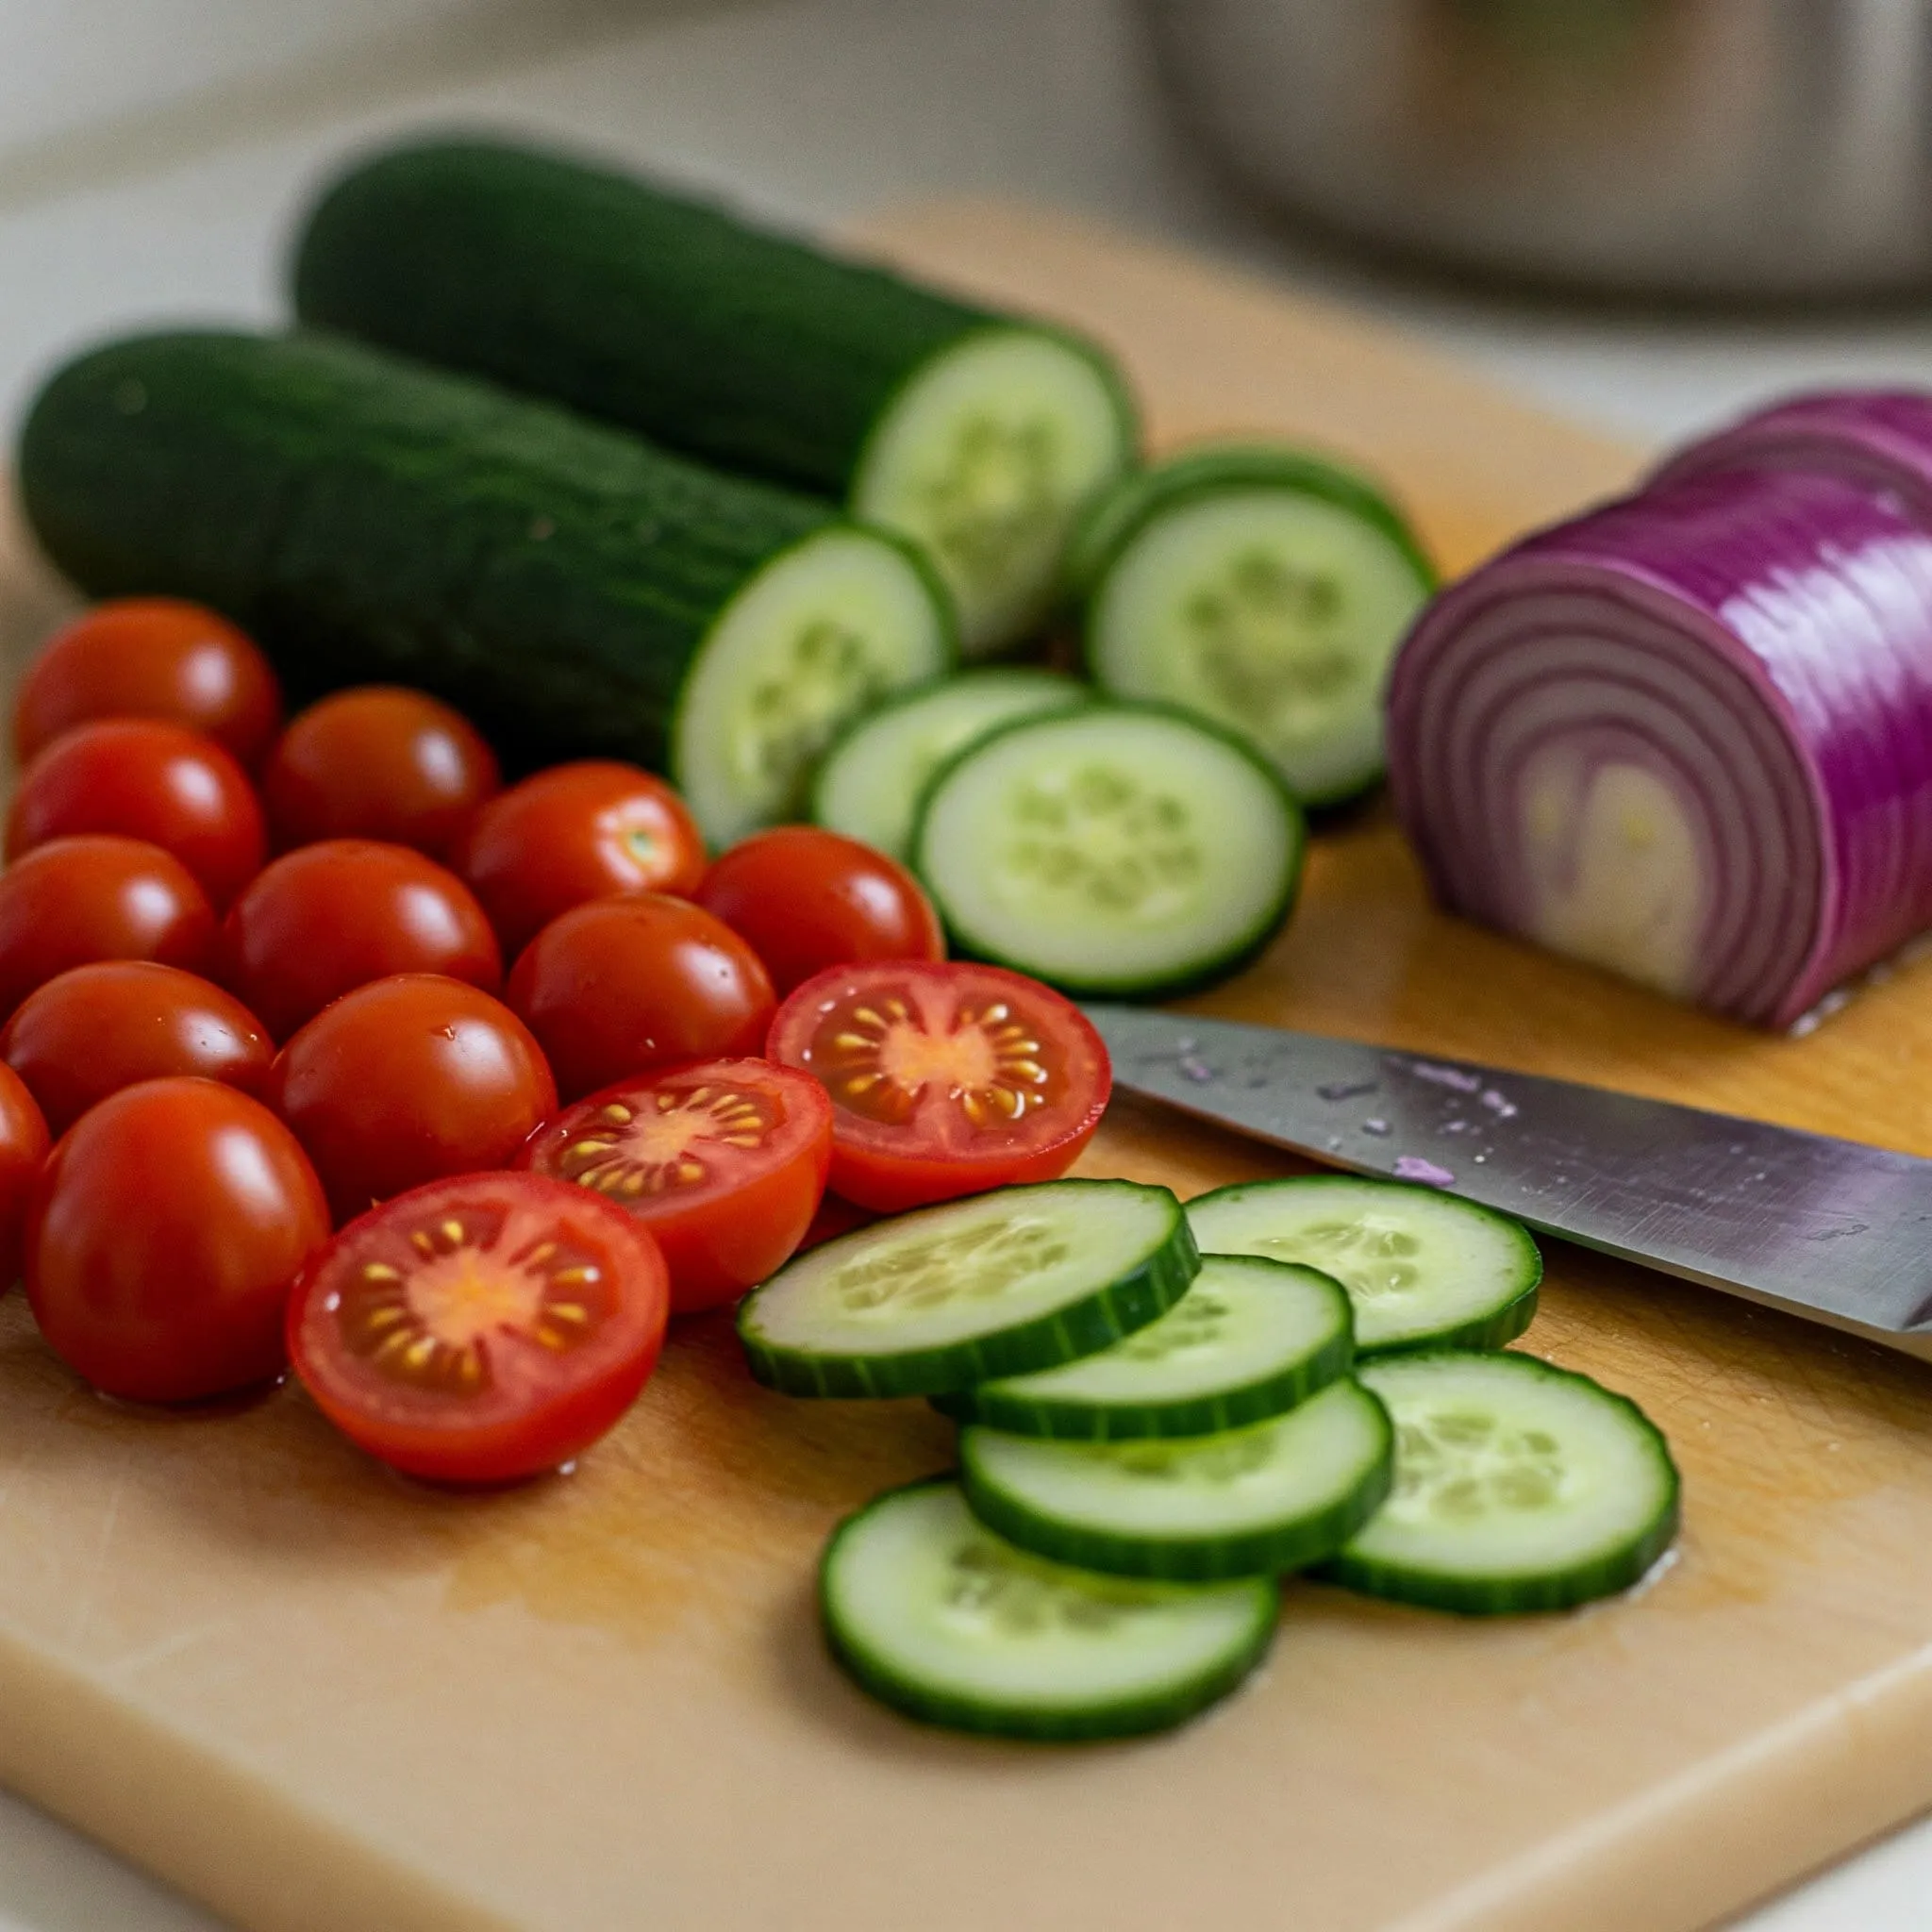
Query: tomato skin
point(378, 761)
point(145, 778)
point(1004, 1080)
point(166, 1229)
point(151, 657)
point(321, 921)
point(738, 1221)
point(93, 1030)
point(409, 1080)
point(804, 899)
point(539, 1408)
point(621, 986)
point(24, 1143)
point(574, 833)
point(73, 901)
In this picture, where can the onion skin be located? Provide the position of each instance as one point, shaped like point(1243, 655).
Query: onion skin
point(1759, 638)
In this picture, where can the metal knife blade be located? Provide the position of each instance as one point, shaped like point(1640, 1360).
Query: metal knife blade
point(1831, 1230)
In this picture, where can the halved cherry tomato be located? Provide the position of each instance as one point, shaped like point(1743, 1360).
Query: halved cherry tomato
point(804, 899)
point(98, 1029)
point(481, 1329)
point(321, 921)
point(151, 657)
point(946, 1079)
point(378, 761)
point(582, 831)
point(408, 1080)
point(724, 1163)
point(145, 778)
point(72, 901)
point(23, 1142)
point(623, 986)
point(167, 1228)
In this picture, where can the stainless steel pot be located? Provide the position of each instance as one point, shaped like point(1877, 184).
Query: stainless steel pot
point(1709, 147)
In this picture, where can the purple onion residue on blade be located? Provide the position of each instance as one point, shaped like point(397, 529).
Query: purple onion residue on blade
point(1686, 737)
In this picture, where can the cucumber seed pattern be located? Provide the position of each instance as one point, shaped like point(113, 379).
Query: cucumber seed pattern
point(1202, 1461)
point(829, 676)
point(995, 1590)
point(1103, 835)
point(1459, 1462)
point(979, 1263)
point(879, 1059)
point(631, 1152)
point(1269, 646)
point(994, 497)
point(1372, 1256)
point(1197, 1320)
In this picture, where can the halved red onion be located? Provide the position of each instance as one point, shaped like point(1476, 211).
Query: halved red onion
point(1686, 737)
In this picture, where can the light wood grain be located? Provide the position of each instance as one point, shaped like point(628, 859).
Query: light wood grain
point(321, 1698)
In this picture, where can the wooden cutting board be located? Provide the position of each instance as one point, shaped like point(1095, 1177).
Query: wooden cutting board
point(318, 1697)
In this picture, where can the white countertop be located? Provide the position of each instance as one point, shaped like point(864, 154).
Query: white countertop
point(151, 152)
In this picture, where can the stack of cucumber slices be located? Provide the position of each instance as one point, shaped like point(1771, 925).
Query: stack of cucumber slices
point(1152, 1436)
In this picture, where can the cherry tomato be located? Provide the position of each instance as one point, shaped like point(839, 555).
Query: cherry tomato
point(725, 1162)
point(946, 1079)
point(145, 778)
point(166, 1230)
point(482, 1329)
point(577, 832)
point(99, 1028)
point(151, 657)
point(327, 918)
point(23, 1141)
point(624, 985)
point(73, 901)
point(804, 899)
point(378, 763)
point(409, 1080)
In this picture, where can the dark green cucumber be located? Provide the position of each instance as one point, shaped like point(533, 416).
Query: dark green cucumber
point(572, 587)
point(981, 435)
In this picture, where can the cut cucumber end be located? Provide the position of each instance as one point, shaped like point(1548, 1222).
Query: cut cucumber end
point(946, 1622)
point(1423, 1268)
point(818, 636)
point(1121, 849)
point(987, 459)
point(869, 784)
point(1518, 1487)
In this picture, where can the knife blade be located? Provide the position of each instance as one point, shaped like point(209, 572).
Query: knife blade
point(1832, 1230)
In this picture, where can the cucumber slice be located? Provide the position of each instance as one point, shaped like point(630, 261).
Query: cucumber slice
point(1518, 1487)
point(868, 783)
point(997, 1284)
point(1250, 1339)
point(810, 644)
point(1119, 849)
point(987, 459)
point(1265, 589)
point(1423, 1269)
point(938, 1616)
point(1274, 1496)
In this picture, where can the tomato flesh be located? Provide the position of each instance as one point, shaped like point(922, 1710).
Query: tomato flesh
point(483, 1329)
point(946, 1078)
point(725, 1162)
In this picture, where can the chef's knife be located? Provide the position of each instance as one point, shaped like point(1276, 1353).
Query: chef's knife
point(1832, 1230)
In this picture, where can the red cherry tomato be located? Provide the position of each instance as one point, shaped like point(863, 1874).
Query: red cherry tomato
point(167, 1228)
point(946, 1079)
point(409, 1080)
point(144, 778)
point(327, 918)
point(378, 763)
point(151, 657)
point(99, 1028)
point(73, 901)
point(573, 833)
point(23, 1141)
point(482, 1329)
point(624, 985)
point(804, 899)
point(724, 1163)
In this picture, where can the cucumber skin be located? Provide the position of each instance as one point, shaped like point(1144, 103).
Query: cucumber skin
point(1208, 1559)
point(1109, 1315)
point(1123, 1720)
point(661, 312)
point(366, 520)
point(1509, 1596)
